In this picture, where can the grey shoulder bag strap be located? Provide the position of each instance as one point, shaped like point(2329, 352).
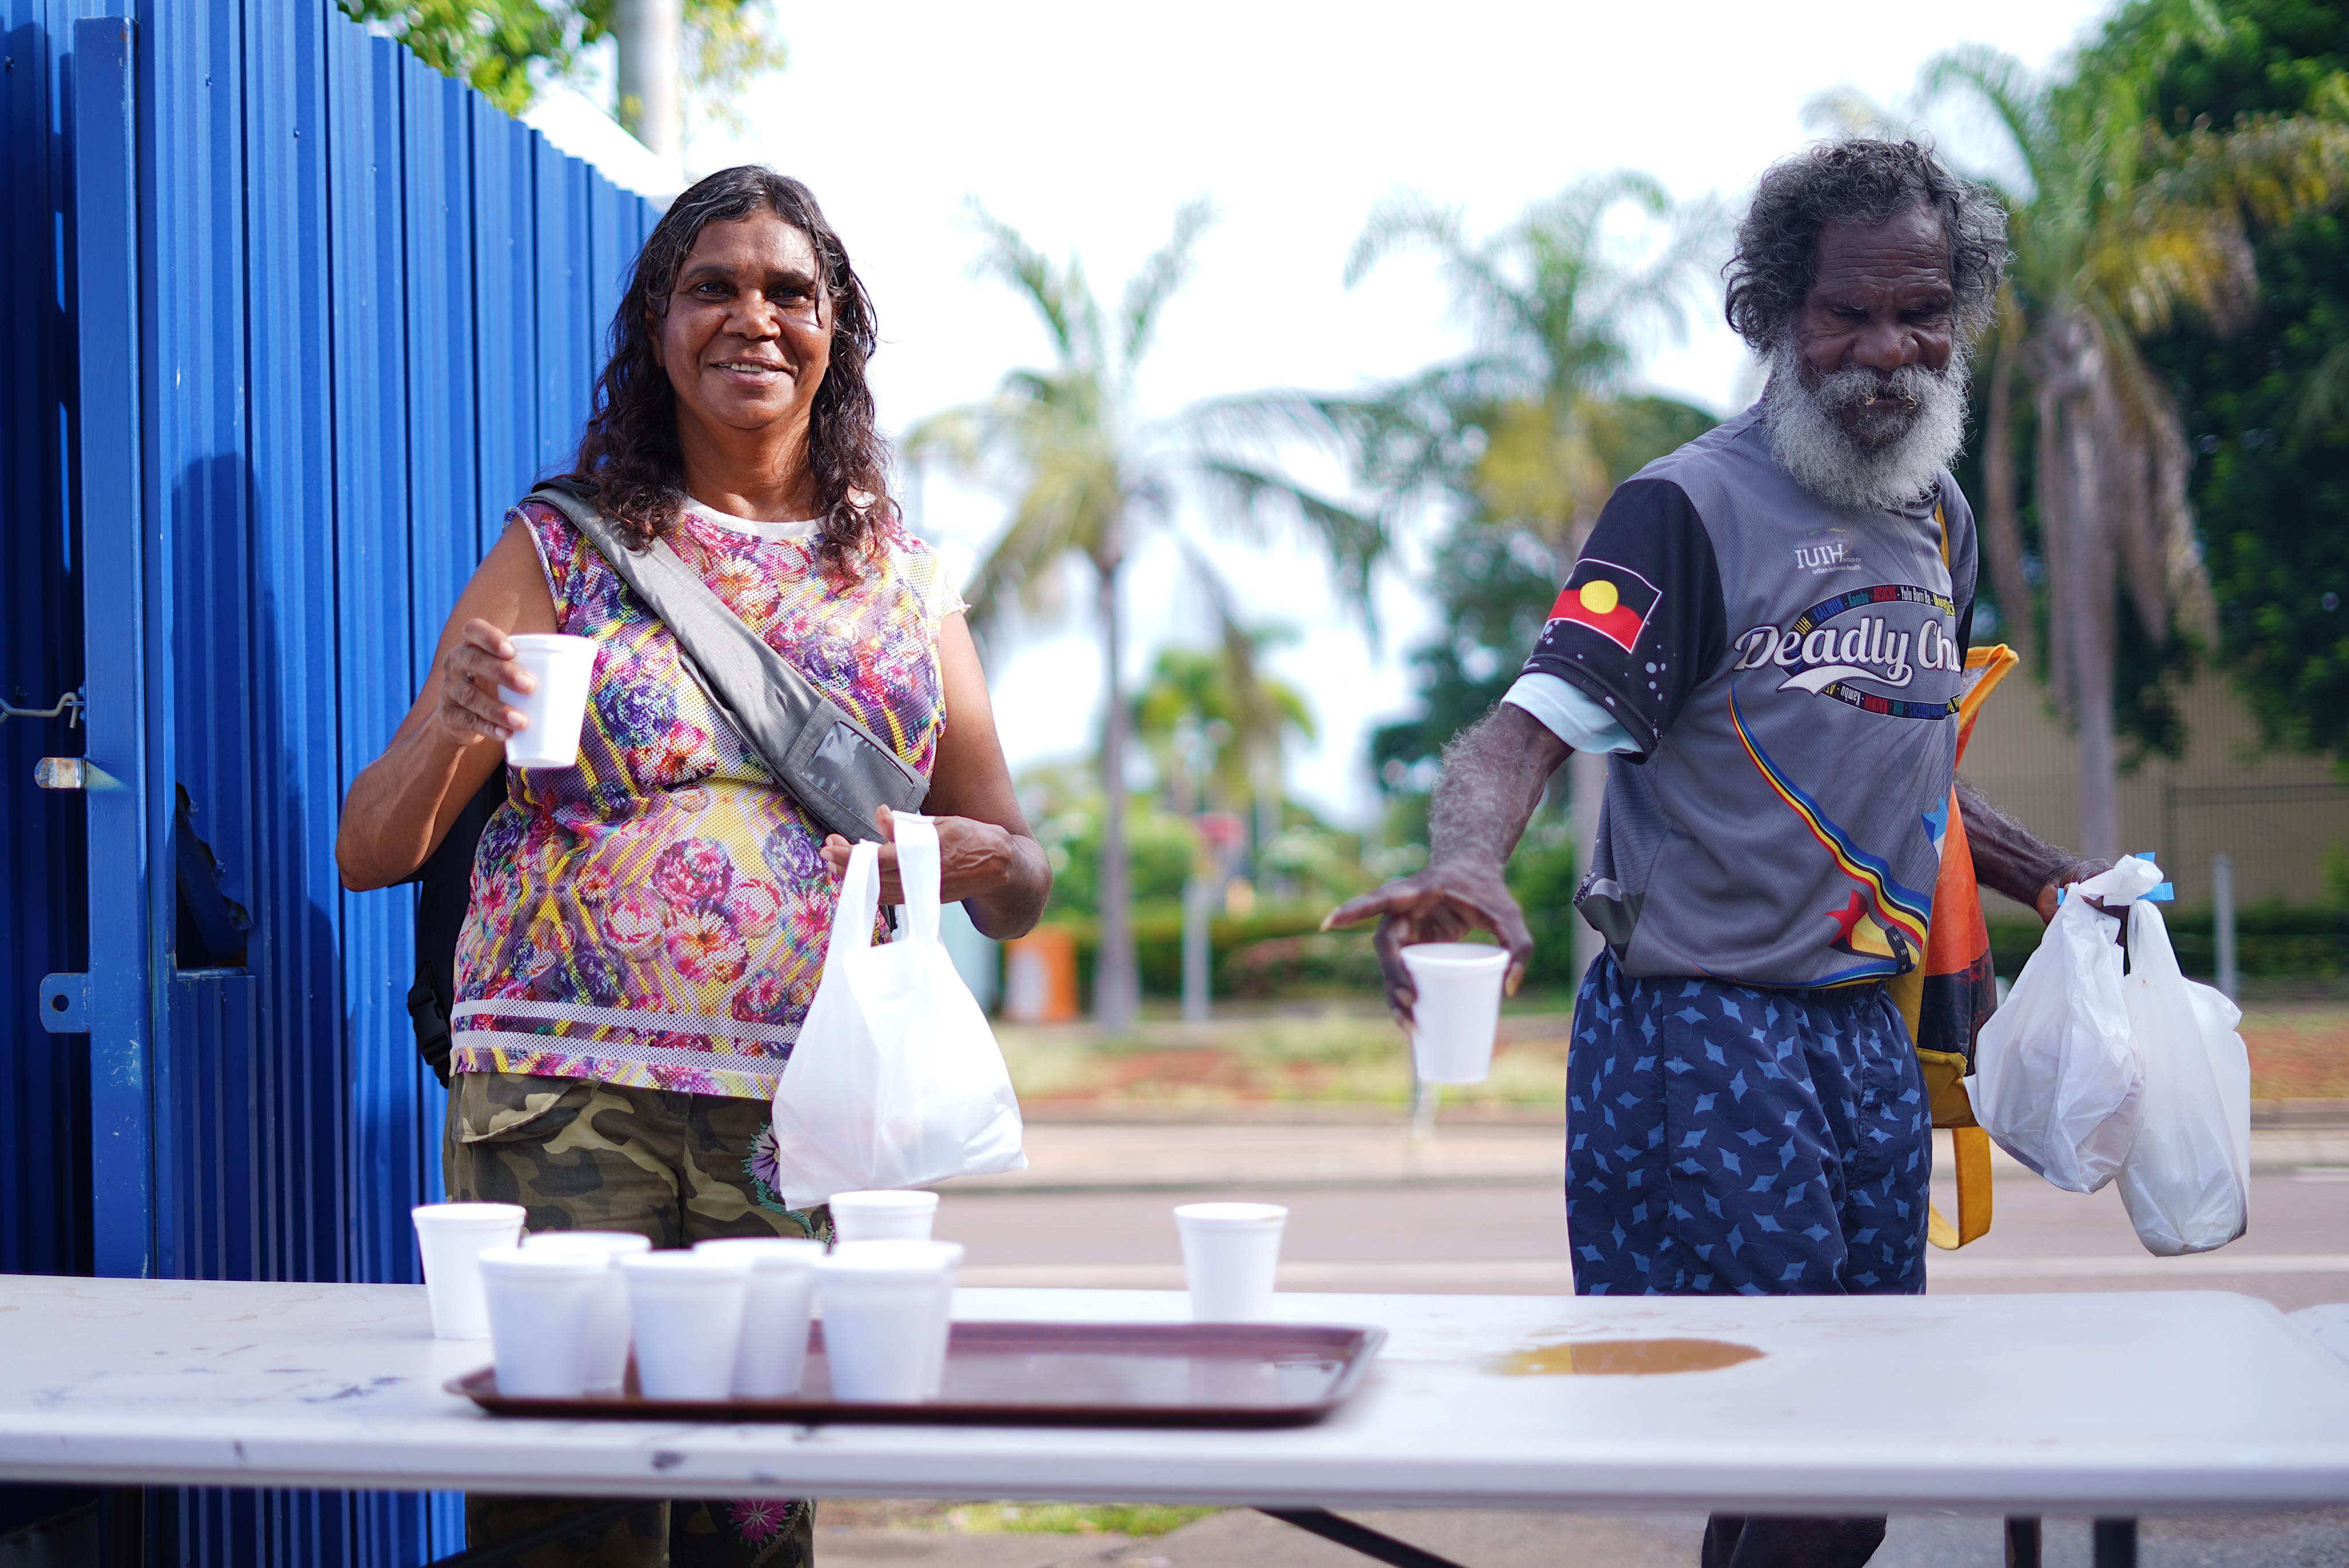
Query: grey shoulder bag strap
point(834, 766)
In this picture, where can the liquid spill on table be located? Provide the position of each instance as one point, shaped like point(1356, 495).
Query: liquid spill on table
point(1624, 1358)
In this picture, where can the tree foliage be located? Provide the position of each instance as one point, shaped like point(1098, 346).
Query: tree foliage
point(1520, 441)
point(2263, 409)
point(1083, 472)
point(1492, 596)
point(492, 44)
point(1225, 694)
point(2126, 226)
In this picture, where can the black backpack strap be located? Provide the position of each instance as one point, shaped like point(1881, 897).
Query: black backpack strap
point(444, 892)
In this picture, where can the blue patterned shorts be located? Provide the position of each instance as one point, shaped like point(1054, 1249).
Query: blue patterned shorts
point(1723, 1139)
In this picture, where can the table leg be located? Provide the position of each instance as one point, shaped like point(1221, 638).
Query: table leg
point(126, 1526)
point(1360, 1538)
point(2023, 1541)
point(506, 1551)
point(2115, 1543)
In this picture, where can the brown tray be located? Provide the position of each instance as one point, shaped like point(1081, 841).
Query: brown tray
point(1050, 1373)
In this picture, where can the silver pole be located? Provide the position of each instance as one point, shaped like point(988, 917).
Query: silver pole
point(2222, 899)
point(647, 37)
point(1197, 894)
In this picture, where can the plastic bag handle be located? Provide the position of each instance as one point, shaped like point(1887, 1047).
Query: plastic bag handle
point(917, 875)
point(860, 900)
point(2149, 952)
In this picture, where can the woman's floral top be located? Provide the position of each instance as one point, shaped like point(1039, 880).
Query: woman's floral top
point(657, 915)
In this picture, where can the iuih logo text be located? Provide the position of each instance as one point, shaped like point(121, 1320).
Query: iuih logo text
point(1824, 553)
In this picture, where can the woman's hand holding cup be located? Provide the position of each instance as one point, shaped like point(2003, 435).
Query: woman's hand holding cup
point(471, 710)
point(496, 685)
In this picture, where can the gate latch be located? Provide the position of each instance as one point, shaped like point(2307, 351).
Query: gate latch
point(68, 707)
point(65, 1003)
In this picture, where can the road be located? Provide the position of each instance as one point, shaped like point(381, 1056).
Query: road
point(1479, 1209)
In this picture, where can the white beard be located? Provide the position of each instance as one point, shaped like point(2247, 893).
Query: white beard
point(1890, 470)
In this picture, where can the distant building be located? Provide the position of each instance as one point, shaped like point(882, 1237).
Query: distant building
point(2275, 813)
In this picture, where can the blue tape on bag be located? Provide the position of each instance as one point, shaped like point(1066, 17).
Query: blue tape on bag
point(2160, 893)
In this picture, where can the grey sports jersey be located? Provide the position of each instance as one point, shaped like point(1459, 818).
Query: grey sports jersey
point(1789, 671)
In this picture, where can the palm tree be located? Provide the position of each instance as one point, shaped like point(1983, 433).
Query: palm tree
point(1214, 722)
point(2119, 229)
point(1530, 431)
point(1086, 471)
point(1226, 686)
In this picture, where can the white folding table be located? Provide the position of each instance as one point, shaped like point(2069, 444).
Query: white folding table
point(2108, 1406)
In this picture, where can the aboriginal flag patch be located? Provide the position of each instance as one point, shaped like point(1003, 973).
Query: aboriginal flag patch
point(1614, 601)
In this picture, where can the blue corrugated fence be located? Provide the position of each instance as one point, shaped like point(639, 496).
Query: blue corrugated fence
point(280, 349)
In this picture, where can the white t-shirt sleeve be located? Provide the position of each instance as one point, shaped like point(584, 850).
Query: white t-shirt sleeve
point(1565, 711)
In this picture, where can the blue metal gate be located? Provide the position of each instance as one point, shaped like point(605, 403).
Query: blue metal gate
point(287, 321)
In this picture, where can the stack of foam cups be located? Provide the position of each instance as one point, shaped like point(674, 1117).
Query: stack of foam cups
point(888, 1310)
point(451, 1237)
point(608, 1334)
point(543, 1304)
point(687, 1312)
point(883, 1216)
point(771, 1356)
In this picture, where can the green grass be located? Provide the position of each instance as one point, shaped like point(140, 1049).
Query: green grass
point(1131, 1519)
point(1329, 1055)
point(1352, 1056)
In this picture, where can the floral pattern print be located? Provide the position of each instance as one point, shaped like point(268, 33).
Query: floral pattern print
point(764, 1166)
point(759, 1519)
point(661, 909)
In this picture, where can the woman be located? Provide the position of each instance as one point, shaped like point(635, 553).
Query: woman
point(646, 928)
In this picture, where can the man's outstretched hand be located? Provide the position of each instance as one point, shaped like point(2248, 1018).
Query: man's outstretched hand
point(1441, 904)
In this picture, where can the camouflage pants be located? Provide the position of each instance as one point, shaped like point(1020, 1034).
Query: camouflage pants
point(578, 1155)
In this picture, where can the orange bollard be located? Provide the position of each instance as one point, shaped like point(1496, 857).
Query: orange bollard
point(1040, 977)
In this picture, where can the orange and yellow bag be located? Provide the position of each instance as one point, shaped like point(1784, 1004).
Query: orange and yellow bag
point(1947, 997)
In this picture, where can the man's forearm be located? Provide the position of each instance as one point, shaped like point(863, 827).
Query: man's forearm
point(2009, 857)
point(1493, 777)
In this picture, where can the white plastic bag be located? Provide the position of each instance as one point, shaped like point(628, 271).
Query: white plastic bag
point(2188, 1182)
point(2056, 1080)
point(895, 1079)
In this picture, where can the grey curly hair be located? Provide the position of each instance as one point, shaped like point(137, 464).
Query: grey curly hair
point(1865, 180)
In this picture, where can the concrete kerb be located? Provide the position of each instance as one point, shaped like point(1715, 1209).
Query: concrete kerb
point(1111, 1154)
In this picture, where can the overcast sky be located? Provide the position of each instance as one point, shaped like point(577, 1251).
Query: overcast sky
point(1086, 125)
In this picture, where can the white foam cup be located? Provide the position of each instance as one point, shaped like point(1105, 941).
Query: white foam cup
point(934, 1371)
point(686, 1308)
point(1230, 1253)
point(607, 1336)
point(562, 668)
point(771, 1353)
point(885, 1307)
point(1457, 1009)
point(450, 1237)
point(543, 1305)
point(883, 1216)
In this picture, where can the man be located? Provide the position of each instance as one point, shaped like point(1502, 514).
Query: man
point(1766, 632)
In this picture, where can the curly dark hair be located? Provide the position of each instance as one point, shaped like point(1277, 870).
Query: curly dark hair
point(628, 455)
point(1863, 180)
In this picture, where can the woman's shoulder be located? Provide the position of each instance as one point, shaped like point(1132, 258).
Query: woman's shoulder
point(924, 568)
point(541, 518)
point(577, 575)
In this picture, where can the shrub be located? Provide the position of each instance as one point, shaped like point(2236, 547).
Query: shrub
point(2272, 942)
